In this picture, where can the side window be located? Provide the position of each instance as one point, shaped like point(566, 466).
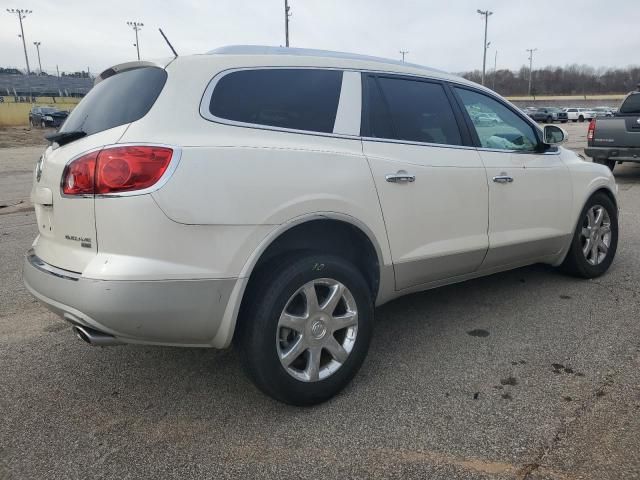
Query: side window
point(418, 111)
point(300, 99)
point(496, 125)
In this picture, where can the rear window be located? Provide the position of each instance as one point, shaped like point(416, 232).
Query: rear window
point(631, 105)
point(299, 99)
point(117, 100)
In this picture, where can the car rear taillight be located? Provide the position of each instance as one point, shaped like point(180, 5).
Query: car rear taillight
point(592, 130)
point(114, 170)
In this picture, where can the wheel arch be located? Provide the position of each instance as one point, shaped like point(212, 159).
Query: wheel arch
point(295, 233)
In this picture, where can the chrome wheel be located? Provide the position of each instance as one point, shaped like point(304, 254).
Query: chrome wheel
point(595, 235)
point(317, 330)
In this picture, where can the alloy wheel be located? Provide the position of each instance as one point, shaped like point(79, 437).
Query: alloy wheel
point(595, 235)
point(317, 330)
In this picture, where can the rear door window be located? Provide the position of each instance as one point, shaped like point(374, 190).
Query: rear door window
point(117, 100)
point(298, 99)
point(418, 111)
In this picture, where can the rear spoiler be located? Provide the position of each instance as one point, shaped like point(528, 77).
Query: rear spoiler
point(123, 67)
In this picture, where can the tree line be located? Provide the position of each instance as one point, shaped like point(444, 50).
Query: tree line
point(569, 80)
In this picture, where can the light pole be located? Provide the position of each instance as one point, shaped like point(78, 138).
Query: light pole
point(495, 70)
point(136, 26)
point(21, 15)
point(37, 44)
point(530, 50)
point(287, 14)
point(403, 53)
point(485, 14)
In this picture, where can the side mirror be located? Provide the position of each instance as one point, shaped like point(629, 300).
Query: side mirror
point(552, 135)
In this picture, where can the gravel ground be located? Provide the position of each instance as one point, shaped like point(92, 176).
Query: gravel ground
point(526, 374)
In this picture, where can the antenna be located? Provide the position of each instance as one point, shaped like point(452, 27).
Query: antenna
point(168, 43)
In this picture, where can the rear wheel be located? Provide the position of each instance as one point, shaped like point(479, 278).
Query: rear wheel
point(595, 239)
point(307, 328)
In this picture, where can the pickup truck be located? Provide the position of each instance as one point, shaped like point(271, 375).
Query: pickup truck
point(548, 115)
point(616, 139)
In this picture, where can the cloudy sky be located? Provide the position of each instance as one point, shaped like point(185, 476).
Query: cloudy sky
point(445, 34)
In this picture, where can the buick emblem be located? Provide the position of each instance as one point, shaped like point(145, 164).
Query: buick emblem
point(39, 168)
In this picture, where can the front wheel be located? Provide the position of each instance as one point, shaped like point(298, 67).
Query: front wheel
point(549, 119)
point(306, 327)
point(595, 239)
point(581, 118)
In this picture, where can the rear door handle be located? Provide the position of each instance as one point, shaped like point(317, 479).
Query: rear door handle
point(400, 177)
point(503, 178)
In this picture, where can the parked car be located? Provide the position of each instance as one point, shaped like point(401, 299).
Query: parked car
point(616, 139)
point(47, 117)
point(288, 193)
point(548, 115)
point(603, 112)
point(580, 114)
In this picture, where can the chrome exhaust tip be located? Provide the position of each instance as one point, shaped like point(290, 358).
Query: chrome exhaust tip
point(95, 338)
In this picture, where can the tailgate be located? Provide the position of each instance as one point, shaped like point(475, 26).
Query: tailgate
point(617, 132)
point(66, 225)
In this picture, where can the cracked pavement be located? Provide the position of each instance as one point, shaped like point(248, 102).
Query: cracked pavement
point(528, 374)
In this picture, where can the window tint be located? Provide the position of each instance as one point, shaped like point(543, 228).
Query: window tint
point(420, 111)
point(301, 99)
point(496, 125)
point(378, 114)
point(631, 104)
point(117, 100)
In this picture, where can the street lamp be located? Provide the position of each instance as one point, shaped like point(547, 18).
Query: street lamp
point(485, 14)
point(21, 15)
point(136, 26)
point(37, 44)
point(531, 50)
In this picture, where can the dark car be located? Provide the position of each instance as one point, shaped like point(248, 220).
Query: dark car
point(549, 115)
point(47, 117)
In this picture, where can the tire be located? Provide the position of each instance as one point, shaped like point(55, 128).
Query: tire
point(549, 119)
point(581, 119)
point(582, 265)
point(280, 293)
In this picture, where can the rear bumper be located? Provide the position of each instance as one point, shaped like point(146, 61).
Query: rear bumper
point(162, 312)
point(622, 154)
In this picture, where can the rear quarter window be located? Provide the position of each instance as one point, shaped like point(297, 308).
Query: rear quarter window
point(298, 99)
point(117, 100)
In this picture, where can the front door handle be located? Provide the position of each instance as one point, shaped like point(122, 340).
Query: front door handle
point(503, 178)
point(400, 177)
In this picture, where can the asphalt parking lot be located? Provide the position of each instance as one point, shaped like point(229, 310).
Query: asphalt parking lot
point(528, 374)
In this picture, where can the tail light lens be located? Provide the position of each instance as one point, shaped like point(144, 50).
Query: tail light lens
point(592, 130)
point(113, 170)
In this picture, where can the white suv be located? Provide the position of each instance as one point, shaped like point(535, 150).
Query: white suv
point(580, 114)
point(272, 197)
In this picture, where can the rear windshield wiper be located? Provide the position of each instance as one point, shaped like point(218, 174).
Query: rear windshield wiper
point(65, 137)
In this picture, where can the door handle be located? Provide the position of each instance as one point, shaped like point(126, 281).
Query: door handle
point(400, 177)
point(503, 178)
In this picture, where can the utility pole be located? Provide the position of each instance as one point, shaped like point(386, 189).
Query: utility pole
point(485, 14)
point(37, 44)
point(530, 50)
point(495, 70)
point(403, 53)
point(136, 26)
point(287, 14)
point(21, 15)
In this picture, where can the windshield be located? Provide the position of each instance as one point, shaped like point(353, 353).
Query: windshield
point(117, 100)
point(49, 110)
point(631, 104)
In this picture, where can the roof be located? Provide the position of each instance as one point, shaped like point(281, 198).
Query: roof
point(310, 52)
